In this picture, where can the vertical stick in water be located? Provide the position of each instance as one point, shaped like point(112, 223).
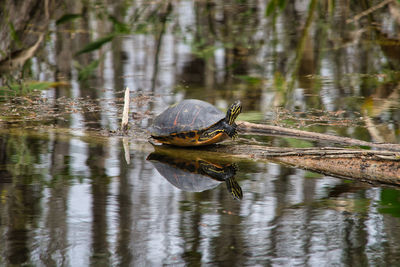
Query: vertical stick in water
point(125, 113)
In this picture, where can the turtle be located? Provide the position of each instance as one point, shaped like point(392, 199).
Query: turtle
point(194, 122)
point(196, 175)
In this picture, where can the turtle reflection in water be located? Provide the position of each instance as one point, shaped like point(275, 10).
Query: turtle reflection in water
point(196, 175)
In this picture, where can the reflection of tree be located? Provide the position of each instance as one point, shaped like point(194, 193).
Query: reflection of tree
point(5, 175)
point(22, 197)
point(124, 201)
point(217, 27)
point(20, 210)
point(228, 246)
point(117, 51)
point(66, 41)
point(166, 10)
point(389, 250)
point(57, 203)
point(355, 239)
point(189, 225)
point(56, 223)
point(96, 157)
point(125, 218)
point(280, 192)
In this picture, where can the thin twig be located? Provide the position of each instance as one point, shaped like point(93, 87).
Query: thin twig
point(261, 129)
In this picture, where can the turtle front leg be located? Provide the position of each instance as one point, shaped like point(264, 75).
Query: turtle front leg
point(231, 130)
point(232, 133)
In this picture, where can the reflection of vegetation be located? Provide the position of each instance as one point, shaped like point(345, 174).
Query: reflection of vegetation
point(201, 50)
point(140, 22)
point(24, 163)
point(68, 17)
point(274, 5)
point(390, 202)
point(27, 87)
point(119, 27)
point(95, 45)
point(20, 156)
point(309, 174)
point(85, 72)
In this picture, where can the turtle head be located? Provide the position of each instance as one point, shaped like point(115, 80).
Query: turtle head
point(233, 111)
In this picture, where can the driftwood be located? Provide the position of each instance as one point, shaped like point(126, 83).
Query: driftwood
point(261, 129)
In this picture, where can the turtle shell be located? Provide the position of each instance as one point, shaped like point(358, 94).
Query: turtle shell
point(190, 115)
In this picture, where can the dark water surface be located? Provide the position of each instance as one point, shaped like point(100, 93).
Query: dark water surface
point(76, 203)
point(73, 193)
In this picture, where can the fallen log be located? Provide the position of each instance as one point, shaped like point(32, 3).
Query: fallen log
point(262, 129)
point(356, 164)
point(363, 165)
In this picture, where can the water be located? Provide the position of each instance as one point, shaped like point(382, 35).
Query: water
point(74, 193)
point(92, 208)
